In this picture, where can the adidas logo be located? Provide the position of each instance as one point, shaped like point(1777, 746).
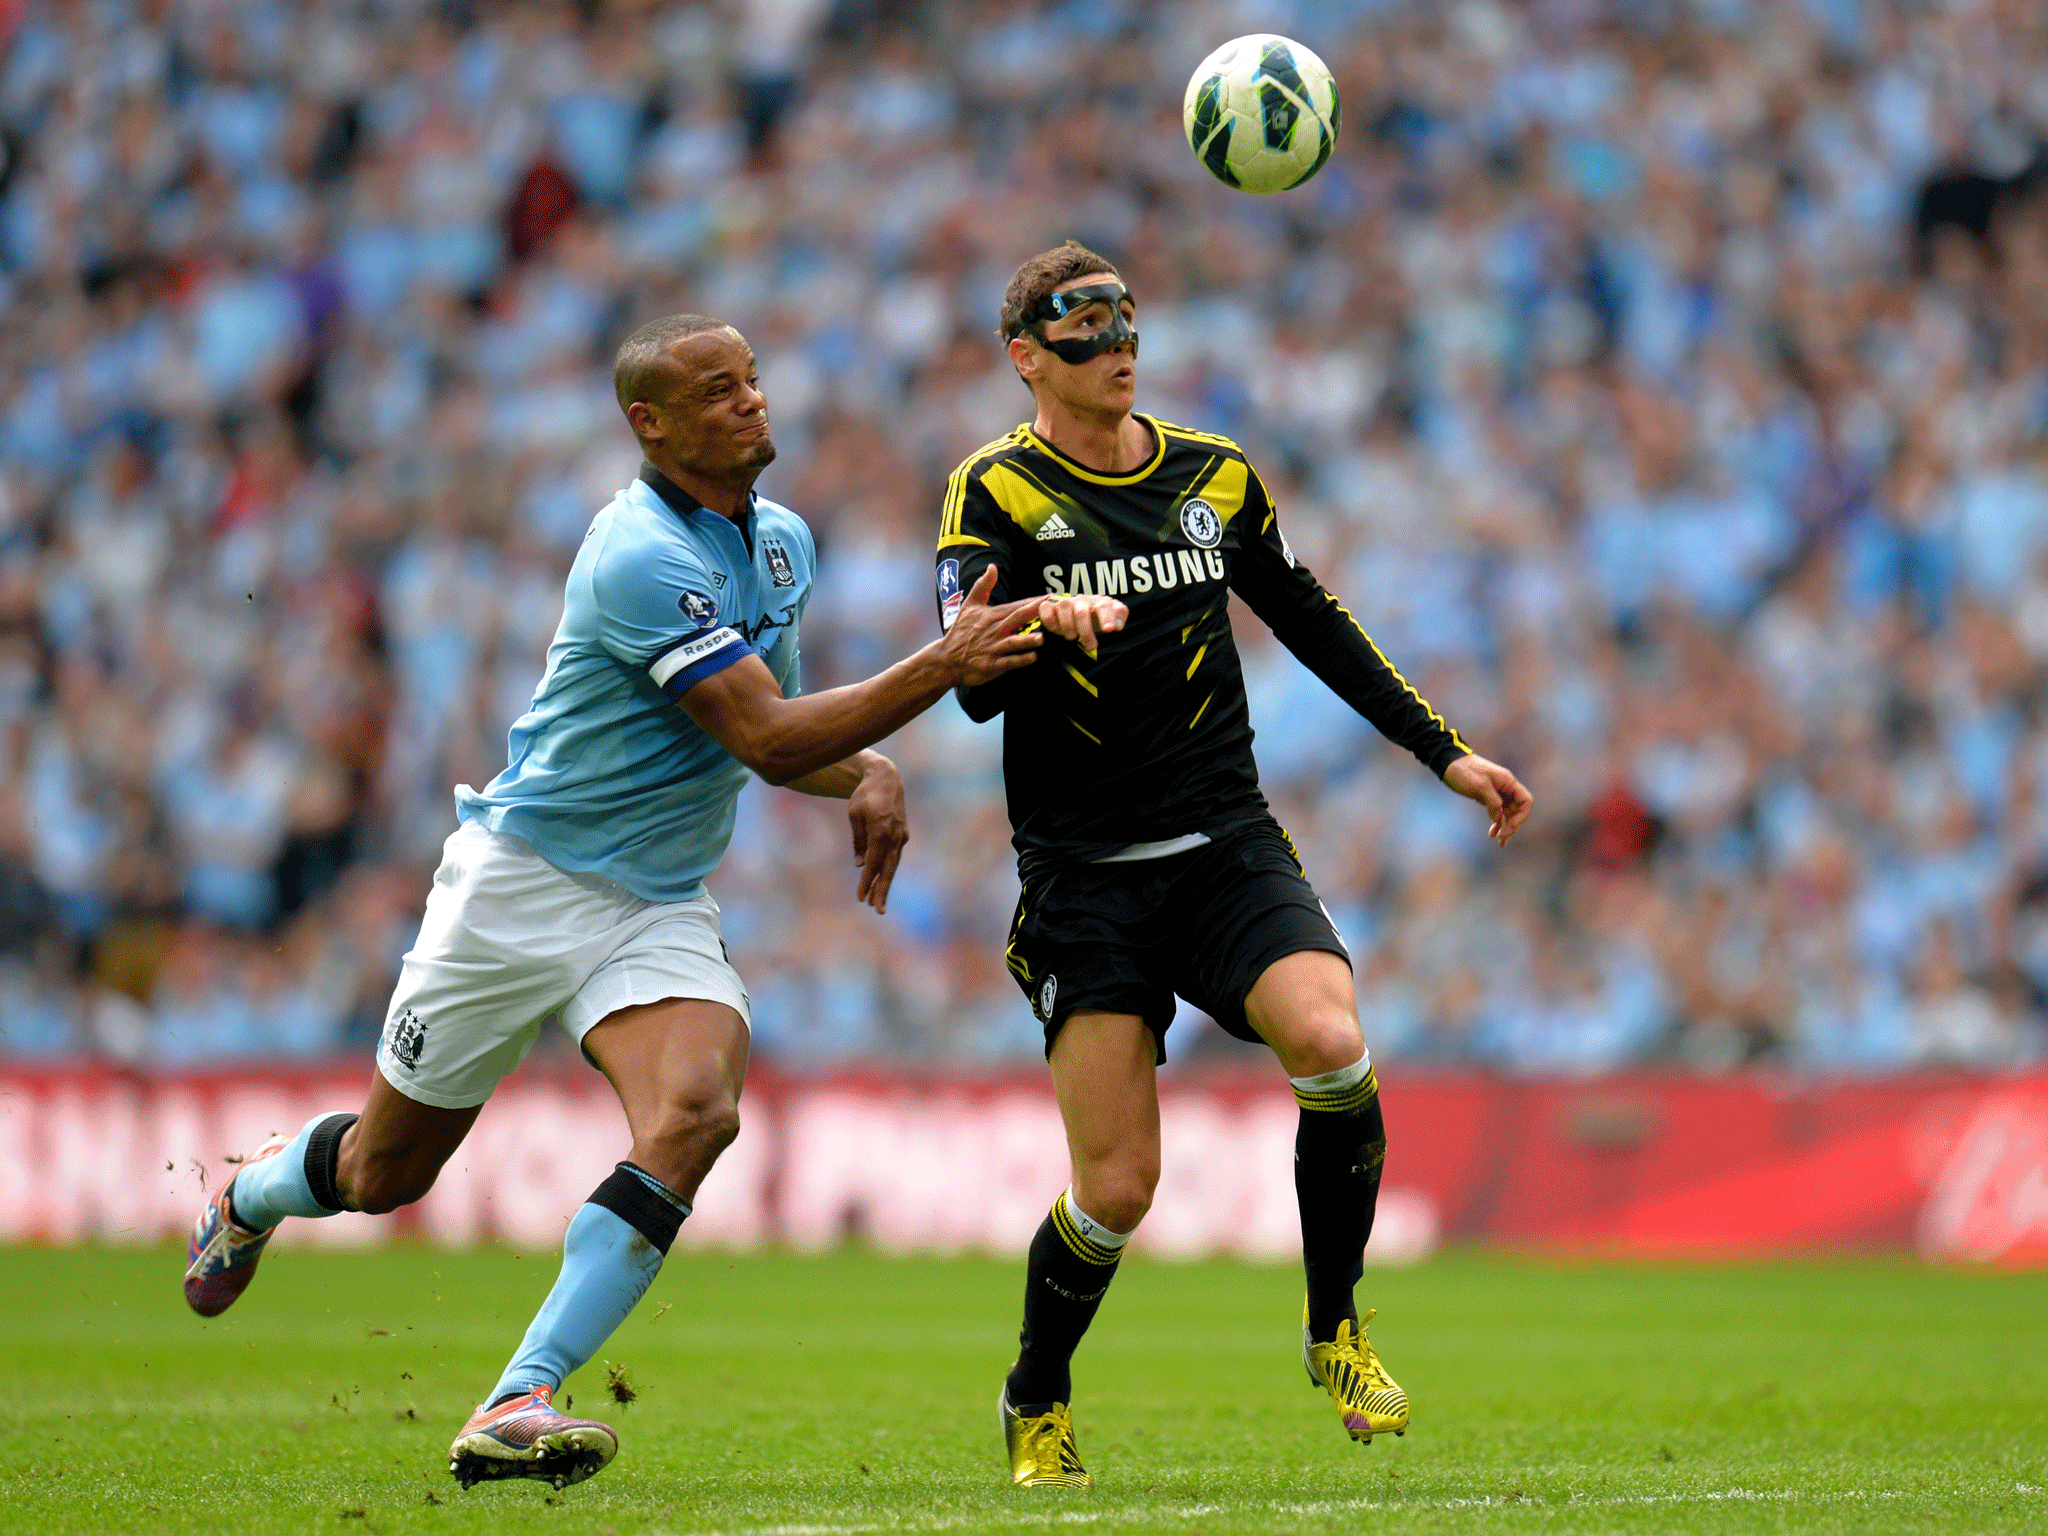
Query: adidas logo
point(1054, 527)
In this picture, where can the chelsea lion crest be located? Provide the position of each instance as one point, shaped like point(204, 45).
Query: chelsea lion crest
point(1046, 996)
point(1198, 520)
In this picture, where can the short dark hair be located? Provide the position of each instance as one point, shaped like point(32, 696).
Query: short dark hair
point(644, 354)
point(1040, 275)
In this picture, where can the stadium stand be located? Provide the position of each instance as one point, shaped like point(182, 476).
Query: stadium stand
point(1665, 384)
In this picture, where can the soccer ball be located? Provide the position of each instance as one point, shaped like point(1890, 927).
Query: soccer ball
point(1261, 113)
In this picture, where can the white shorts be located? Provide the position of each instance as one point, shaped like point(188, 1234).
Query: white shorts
point(508, 940)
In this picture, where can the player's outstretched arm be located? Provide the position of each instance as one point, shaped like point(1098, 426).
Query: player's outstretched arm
point(1507, 802)
point(743, 710)
point(873, 791)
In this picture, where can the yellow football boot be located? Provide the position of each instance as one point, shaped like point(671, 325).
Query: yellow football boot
point(1370, 1401)
point(1042, 1449)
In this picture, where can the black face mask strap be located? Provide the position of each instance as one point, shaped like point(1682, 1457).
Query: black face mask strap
point(1073, 350)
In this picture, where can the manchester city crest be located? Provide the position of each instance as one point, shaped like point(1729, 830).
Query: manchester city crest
point(408, 1039)
point(1198, 520)
point(778, 564)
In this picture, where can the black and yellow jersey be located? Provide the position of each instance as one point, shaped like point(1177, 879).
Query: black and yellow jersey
point(1150, 738)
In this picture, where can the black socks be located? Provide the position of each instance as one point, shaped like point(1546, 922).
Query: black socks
point(1338, 1152)
point(1073, 1259)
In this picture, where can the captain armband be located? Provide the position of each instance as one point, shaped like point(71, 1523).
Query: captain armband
point(687, 663)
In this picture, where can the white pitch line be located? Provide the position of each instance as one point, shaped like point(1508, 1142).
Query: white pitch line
point(1319, 1507)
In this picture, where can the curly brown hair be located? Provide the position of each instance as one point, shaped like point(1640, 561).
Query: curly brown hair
point(1043, 273)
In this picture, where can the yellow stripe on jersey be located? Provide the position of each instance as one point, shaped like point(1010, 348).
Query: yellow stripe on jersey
point(1019, 467)
point(1010, 439)
point(1226, 489)
point(1075, 673)
point(1428, 708)
point(997, 444)
point(1077, 725)
point(952, 539)
point(1213, 438)
point(1029, 504)
point(1200, 652)
point(1293, 852)
point(954, 505)
point(1197, 480)
point(954, 509)
point(1201, 712)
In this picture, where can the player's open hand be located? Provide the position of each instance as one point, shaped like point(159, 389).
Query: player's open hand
point(1507, 802)
point(986, 642)
point(881, 826)
point(1081, 617)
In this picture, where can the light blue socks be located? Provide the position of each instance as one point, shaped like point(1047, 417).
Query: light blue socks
point(610, 1255)
point(299, 1181)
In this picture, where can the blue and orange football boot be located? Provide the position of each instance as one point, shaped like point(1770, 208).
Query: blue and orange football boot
point(220, 1261)
point(526, 1436)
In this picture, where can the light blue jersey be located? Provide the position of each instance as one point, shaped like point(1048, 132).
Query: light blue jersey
point(606, 773)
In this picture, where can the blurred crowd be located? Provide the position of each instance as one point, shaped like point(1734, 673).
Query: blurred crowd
point(1664, 383)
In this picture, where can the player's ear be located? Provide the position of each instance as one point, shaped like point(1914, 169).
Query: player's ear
point(1023, 360)
point(645, 420)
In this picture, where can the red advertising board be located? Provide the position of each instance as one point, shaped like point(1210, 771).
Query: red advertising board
point(1646, 1165)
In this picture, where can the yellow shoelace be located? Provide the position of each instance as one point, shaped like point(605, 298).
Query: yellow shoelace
point(1357, 1352)
point(1045, 1439)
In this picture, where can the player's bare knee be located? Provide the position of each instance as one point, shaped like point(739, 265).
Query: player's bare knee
point(1123, 1208)
point(698, 1121)
point(1118, 1196)
point(1325, 1039)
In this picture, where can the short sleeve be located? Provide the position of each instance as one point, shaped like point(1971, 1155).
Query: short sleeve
point(657, 609)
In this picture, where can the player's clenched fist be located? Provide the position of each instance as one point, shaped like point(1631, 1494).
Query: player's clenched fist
point(986, 642)
point(1082, 618)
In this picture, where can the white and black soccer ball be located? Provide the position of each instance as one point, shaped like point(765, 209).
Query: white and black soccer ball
point(1261, 113)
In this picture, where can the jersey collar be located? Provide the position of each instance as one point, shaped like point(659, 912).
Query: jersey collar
point(1095, 476)
point(682, 503)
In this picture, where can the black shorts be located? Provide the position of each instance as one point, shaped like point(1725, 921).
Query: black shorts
point(1205, 924)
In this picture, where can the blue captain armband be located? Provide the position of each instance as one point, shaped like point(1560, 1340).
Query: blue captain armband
point(688, 662)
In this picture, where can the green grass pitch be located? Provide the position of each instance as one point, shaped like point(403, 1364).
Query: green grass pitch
point(852, 1393)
